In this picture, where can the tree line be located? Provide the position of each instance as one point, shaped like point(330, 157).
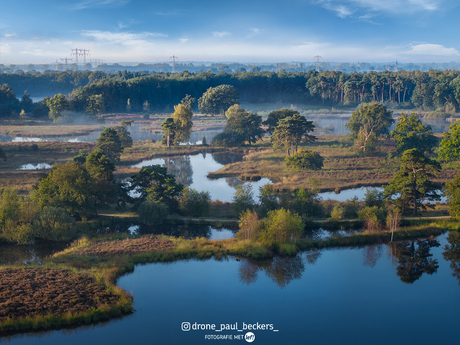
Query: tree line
point(131, 91)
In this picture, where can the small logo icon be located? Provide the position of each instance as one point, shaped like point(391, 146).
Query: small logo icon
point(185, 326)
point(249, 337)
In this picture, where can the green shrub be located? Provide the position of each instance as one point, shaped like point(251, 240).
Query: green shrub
point(280, 226)
point(268, 199)
point(249, 226)
point(153, 213)
point(194, 203)
point(243, 199)
point(305, 160)
point(54, 224)
point(338, 212)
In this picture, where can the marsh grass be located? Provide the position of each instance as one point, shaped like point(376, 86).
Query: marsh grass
point(107, 269)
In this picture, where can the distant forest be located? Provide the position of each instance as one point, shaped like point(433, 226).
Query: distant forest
point(435, 89)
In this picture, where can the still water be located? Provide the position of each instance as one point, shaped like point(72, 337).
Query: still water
point(407, 293)
point(193, 171)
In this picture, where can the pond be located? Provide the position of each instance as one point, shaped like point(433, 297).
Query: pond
point(189, 231)
point(12, 254)
point(193, 171)
point(407, 293)
point(347, 194)
point(360, 193)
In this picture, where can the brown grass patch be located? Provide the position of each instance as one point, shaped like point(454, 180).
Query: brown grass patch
point(40, 291)
point(128, 246)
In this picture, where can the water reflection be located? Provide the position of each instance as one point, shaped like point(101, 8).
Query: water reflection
point(181, 168)
point(193, 171)
point(225, 158)
point(371, 254)
point(452, 253)
point(414, 259)
point(281, 270)
point(189, 231)
point(12, 254)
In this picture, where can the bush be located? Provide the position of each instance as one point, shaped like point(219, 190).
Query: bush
point(194, 203)
point(54, 224)
point(305, 160)
point(228, 139)
point(374, 217)
point(249, 226)
point(243, 199)
point(307, 204)
point(153, 213)
point(351, 207)
point(338, 212)
point(280, 226)
point(374, 198)
point(268, 199)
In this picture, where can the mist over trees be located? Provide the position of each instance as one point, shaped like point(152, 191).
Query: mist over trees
point(97, 91)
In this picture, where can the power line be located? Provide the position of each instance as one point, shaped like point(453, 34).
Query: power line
point(66, 60)
point(173, 58)
point(317, 57)
point(85, 53)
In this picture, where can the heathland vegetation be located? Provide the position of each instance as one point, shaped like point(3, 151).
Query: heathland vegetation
point(66, 202)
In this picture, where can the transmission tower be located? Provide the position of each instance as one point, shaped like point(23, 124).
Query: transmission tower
point(76, 53)
point(85, 53)
point(97, 62)
point(317, 57)
point(173, 58)
point(66, 60)
point(396, 66)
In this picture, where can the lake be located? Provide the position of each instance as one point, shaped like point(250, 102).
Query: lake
point(379, 294)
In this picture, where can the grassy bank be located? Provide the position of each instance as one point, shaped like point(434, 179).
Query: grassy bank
point(95, 264)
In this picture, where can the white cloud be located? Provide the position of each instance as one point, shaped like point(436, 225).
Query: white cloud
point(97, 4)
point(220, 34)
point(5, 49)
point(151, 47)
point(173, 13)
point(346, 8)
point(432, 49)
point(125, 38)
point(10, 35)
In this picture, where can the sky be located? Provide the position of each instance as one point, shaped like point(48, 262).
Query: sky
point(245, 31)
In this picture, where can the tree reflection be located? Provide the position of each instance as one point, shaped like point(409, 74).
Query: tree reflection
point(282, 270)
point(414, 259)
point(181, 168)
point(233, 181)
point(248, 272)
point(313, 255)
point(371, 254)
point(452, 253)
point(225, 158)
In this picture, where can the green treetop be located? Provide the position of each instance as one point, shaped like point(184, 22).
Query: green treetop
point(216, 100)
point(449, 148)
point(413, 182)
point(411, 133)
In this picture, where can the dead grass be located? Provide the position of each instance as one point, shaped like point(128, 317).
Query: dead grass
point(342, 169)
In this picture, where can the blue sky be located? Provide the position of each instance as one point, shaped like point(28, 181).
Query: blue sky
point(34, 31)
